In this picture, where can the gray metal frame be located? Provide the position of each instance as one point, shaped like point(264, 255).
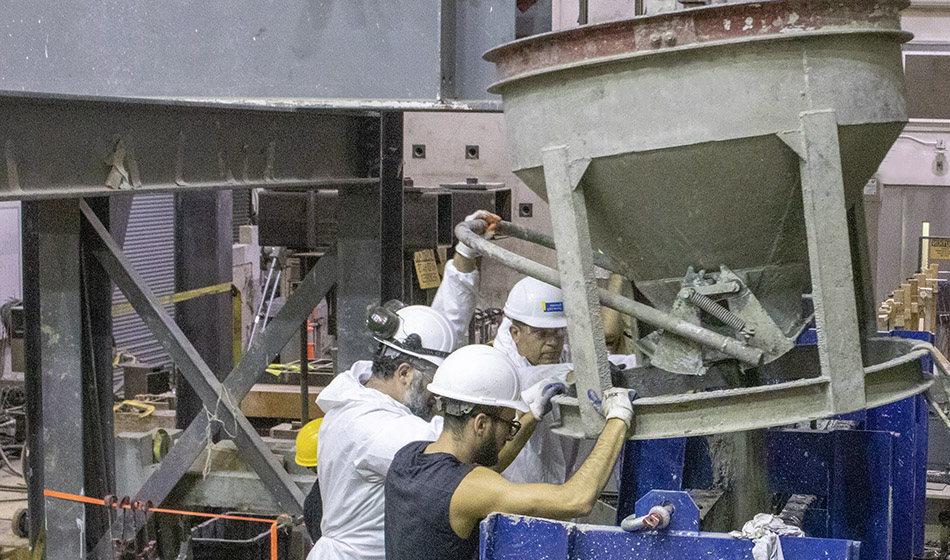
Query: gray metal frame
point(564, 180)
point(220, 399)
point(417, 53)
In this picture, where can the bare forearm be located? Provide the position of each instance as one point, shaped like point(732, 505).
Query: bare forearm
point(589, 480)
point(513, 447)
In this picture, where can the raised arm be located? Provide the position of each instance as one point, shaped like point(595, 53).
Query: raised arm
point(484, 491)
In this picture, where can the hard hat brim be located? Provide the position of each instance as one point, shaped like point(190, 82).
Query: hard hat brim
point(538, 323)
point(427, 357)
point(518, 405)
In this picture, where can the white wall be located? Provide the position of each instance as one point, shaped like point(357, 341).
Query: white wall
point(445, 136)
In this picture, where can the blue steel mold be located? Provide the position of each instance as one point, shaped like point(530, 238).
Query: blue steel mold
point(511, 537)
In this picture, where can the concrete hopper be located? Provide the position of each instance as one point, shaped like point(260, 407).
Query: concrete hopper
point(717, 155)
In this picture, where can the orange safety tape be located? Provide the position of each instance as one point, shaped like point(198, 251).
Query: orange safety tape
point(94, 501)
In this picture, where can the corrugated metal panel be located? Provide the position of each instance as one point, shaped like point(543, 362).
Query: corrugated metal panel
point(150, 246)
point(241, 204)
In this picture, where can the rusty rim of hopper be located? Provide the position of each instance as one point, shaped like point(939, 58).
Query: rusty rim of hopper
point(709, 26)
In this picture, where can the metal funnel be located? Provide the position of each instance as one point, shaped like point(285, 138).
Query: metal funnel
point(684, 119)
point(731, 138)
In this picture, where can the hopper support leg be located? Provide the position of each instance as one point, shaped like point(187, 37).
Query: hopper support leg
point(576, 268)
point(829, 253)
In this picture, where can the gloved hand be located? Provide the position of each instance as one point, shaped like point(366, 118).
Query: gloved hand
point(616, 403)
point(538, 396)
point(491, 219)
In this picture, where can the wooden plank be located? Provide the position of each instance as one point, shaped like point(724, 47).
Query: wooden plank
point(269, 400)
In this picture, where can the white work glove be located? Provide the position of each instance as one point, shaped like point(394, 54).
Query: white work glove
point(491, 220)
point(616, 403)
point(538, 396)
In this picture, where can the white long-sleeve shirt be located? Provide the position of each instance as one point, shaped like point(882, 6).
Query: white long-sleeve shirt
point(362, 430)
point(455, 300)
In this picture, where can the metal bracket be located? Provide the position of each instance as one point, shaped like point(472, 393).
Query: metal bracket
point(674, 353)
point(576, 267)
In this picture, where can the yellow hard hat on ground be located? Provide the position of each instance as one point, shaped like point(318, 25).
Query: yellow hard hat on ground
point(307, 444)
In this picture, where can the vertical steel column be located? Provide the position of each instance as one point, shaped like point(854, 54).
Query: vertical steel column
point(829, 255)
point(575, 263)
point(203, 236)
point(359, 271)
point(369, 244)
point(391, 205)
point(98, 437)
point(54, 327)
point(32, 381)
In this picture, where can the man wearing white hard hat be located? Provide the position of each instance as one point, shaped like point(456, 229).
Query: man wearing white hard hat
point(532, 335)
point(438, 492)
point(370, 412)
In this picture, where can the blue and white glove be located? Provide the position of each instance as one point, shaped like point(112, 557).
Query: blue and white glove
point(616, 403)
point(538, 396)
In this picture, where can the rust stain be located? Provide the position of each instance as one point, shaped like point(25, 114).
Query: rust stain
point(714, 24)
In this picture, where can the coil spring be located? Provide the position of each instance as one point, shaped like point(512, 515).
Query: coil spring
point(716, 310)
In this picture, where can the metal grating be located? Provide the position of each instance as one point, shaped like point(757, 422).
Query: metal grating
point(150, 246)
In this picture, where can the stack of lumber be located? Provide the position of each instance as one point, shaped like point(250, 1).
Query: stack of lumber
point(913, 306)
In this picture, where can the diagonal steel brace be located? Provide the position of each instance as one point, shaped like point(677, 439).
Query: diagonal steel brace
point(194, 440)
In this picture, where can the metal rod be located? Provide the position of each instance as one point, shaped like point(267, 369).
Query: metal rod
point(582, 12)
point(600, 259)
point(729, 346)
point(260, 306)
point(270, 302)
point(304, 374)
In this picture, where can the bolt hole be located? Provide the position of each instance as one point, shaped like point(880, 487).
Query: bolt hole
point(471, 152)
point(419, 151)
point(525, 210)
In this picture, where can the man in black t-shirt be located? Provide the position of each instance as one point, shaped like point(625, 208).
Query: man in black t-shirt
point(437, 492)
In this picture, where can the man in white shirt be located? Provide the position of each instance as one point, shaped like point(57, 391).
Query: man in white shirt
point(370, 412)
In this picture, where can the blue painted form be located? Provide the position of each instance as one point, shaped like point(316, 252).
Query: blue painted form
point(510, 537)
point(850, 471)
point(655, 464)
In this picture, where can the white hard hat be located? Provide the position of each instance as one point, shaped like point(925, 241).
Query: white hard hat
point(435, 336)
point(479, 374)
point(536, 304)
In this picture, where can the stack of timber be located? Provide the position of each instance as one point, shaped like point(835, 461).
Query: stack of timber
point(913, 306)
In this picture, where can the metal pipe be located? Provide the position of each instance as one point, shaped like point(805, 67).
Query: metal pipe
point(600, 259)
point(582, 12)
point(270, 302)
point(726, 345)
point(260, 306)
point(304, 374)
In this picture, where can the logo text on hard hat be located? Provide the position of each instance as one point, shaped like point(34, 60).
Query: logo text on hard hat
point(552, 306)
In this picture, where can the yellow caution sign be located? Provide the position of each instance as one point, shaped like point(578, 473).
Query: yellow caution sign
point(939, 249)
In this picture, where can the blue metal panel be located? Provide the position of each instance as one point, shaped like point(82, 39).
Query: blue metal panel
point(514, 537)
point(859, 500)
point(510, 537)
point(900, 418)
point(920, 474)
point(655, 464)
point(851, 470)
